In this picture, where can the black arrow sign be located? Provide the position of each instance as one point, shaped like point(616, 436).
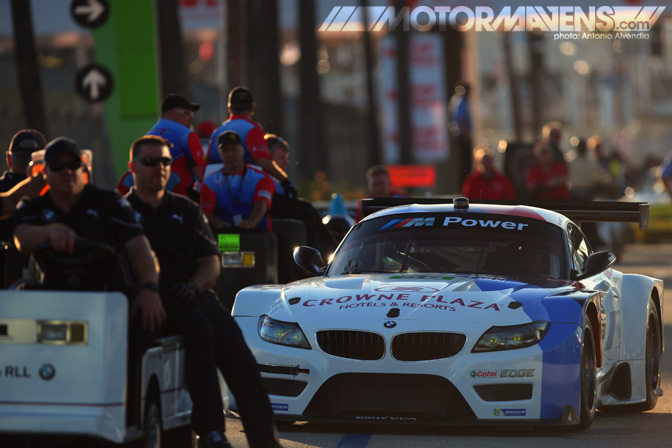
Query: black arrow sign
point(90, 13)
point(94, 83)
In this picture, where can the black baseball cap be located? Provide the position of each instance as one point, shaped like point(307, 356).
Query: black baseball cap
point(228, 137)
point(58, 146)
point(240, 95)
point(28, 140)
point(172, 101)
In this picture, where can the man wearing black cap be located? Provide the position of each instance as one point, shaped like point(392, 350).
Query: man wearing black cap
point(71, 210)
point(23, 145)
point(21, 148)
point(238, 195)
point(241, 109)
point(177, 116)
point(189, 261)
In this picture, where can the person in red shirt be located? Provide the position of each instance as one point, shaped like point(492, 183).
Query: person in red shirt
point(547, 179)
point(486, 182)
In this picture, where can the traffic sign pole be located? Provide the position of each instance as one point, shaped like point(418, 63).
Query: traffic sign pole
point(127, 45)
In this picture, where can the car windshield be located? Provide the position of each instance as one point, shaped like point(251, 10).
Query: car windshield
point(452, 243)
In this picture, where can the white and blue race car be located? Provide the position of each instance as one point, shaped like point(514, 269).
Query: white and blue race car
point(456, 314)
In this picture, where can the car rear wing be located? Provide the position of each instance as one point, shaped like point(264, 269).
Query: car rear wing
point(577, 211)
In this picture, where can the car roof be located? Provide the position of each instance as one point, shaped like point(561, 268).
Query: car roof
point(523, 211)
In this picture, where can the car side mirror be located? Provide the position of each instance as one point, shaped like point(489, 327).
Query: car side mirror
point(596, 263)
point(309, 259)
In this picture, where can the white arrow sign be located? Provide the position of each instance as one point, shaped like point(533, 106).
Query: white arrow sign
point(94, 80)
point(92, 8)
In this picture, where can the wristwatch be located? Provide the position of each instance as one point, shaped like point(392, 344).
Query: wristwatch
point(152, 286)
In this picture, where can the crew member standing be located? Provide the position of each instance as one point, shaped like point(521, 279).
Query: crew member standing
point(177, 116)
point(486, 182)
point(547, 179)
point(461, 126)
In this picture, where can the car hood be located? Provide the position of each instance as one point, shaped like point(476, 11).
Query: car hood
point(431, 301)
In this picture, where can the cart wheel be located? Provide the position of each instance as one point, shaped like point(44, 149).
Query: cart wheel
point(152, 425)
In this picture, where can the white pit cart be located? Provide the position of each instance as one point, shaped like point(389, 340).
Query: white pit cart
point(63, 374)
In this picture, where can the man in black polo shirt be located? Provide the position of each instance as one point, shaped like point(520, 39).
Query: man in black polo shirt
point(70, 211)
point(189, 262)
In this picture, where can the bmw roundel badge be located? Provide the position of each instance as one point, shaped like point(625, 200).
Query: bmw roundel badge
point(47, 372)
point(390, 324)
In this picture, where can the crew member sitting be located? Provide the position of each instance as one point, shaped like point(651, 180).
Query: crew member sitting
point(238, 195)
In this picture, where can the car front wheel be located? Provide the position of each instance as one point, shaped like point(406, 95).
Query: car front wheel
point(588, 375)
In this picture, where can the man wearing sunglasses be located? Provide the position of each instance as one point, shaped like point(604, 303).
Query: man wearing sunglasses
point(189, 263)
point(70, 211)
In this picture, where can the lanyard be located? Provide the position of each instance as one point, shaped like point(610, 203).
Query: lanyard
point(234, 199)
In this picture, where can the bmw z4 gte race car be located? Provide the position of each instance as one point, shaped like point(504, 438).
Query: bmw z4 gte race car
point(456, 314)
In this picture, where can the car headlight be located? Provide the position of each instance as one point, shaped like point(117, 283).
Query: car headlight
point(512, 337)
point(282, 333)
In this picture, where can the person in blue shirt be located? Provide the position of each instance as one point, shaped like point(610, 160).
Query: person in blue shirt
point(238, 195)
point(188, 160)
point(461, 126)
point(241, 107)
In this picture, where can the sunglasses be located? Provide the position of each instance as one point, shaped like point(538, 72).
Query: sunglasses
point(72, 165)
point(153, 160)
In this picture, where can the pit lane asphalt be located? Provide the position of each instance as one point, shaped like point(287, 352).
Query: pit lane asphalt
point(651, 429)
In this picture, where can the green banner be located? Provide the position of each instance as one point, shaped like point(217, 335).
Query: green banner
point(127, 45)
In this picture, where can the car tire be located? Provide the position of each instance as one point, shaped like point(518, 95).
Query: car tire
point(588, 373)
point(152, 424)
point(652, 358)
